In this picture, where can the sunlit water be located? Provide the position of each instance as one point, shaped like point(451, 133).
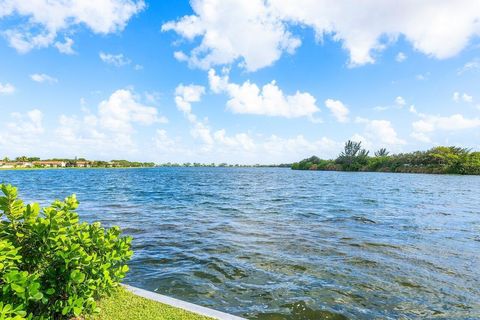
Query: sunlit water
point(282, 244)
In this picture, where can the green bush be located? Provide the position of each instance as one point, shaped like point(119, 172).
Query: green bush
point(51, 265)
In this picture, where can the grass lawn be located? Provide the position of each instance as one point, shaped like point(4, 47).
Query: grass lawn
point(124, 305)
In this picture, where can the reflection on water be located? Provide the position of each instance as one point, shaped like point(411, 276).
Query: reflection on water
point(283, 244)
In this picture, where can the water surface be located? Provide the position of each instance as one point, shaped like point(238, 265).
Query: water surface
point(272, 243)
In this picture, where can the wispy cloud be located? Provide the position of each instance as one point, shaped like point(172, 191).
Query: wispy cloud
point(118, 60)
point(42, 77)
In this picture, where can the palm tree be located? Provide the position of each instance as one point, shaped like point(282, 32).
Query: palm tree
point(353, 156)
point(381, 153)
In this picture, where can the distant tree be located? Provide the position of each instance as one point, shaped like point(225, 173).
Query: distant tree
point(21, 159)
point(6, 159)
point(33, 159)
point(381, 153)
point(353, 156)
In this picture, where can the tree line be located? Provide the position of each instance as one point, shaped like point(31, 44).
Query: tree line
point(440, 160)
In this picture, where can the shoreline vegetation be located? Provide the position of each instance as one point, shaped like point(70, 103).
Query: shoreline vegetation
point(53, 266)
point(438, 160)
point(25, 162)
point(30, 163)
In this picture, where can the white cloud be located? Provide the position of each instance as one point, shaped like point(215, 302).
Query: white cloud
point(163, 142)
point(225, 28)
point(338, 109)
point(269, 100)
point(185, 95)
point(7, 88)
point(42, 77)
point(47, 19)
point(65, 47)
point(400, 57)
point(399, 104)
point(400, 101)
point(457, 97)
point(190, 93)
point(422, 76)
point(242, 140)
point(22, 133)
point(118, 60)
point(431, 123)
point(469, 66)
point(27, 124)
point(467, 98)
point(293, 149)
point(420, 136)
point(108, 132)
point(381, 132)
point(122, 110)
point(450, 123)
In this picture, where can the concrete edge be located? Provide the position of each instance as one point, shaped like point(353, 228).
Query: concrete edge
point(182, 304)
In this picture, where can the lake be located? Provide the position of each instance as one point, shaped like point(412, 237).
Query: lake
point(273, 243)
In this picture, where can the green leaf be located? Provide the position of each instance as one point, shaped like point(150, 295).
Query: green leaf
point(77, 276)
point(17, 288)
point(37, 296)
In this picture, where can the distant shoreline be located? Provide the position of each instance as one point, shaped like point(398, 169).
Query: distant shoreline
point(116, 168)
point(70, 168)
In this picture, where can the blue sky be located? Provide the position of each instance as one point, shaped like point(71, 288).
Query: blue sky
point(236, 81)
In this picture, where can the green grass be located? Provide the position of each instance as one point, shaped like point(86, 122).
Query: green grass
point(124, 305)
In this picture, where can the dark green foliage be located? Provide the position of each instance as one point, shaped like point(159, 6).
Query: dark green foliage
point(436, 160)
point(353, 157)
point(381, 153)
point(52, 266)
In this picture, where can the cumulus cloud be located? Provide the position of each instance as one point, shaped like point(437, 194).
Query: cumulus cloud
point(66, 46)
point(427, 124)
point(122, 109)
point(22, 132)
point(42, 77)
point(241, 139)
point(118, 60)
point(465, 97)
point(454, 122)
point(6, 88)
point(269, 100)
point(225, 28)
point(381, 132)
point(338, 109)
point(28, 124)
point(163, 142)
point(110, 129)
point(185, 95)
point(47, 19)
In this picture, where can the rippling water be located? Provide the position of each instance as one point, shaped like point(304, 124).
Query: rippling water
point(282, 244)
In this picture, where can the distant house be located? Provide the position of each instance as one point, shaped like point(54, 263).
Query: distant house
point(15, 164)
point(83, 164)
point(6, 165)
point(50, 164)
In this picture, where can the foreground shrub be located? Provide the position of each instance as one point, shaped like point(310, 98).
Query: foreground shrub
point(51, 265)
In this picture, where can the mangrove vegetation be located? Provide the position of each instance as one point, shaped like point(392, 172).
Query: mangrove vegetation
point(439, 160)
